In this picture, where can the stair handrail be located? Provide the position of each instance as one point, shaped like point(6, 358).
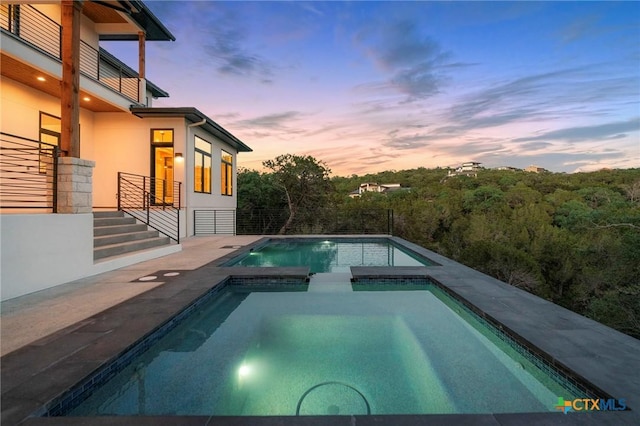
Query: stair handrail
point(137, 197)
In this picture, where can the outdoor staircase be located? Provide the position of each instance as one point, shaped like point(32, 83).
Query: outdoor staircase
point(115, 234)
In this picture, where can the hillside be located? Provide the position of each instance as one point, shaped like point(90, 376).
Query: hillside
point(573, 239)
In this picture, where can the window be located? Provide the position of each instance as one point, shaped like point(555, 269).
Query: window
point(50, 128)
point(202, 166)
point(226, 173)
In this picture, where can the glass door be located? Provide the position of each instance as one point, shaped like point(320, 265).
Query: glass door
point(162, 167)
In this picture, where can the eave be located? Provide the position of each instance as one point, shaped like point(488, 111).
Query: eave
point(194, 116)
point(113, 12)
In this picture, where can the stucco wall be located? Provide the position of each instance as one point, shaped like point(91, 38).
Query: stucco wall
point(123, 144)
point(20, 114)
point(198, 201)
point(40, 251)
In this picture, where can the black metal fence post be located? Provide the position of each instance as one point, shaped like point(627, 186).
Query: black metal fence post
point(119, 193)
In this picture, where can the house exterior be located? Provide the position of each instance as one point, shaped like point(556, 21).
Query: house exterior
point(470, 168)
point(374, 187)
point(79, 127)
point(535, 169)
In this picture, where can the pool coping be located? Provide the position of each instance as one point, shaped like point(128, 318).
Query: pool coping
point(40, 372)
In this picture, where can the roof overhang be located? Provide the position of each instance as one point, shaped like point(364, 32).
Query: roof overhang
point(156, 92)
point(113, 11)
point(194, 116)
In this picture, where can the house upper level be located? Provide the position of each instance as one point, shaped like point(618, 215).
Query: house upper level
point(31, 50)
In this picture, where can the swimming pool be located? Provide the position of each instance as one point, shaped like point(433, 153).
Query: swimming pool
point(335, 255)
point(404, 348)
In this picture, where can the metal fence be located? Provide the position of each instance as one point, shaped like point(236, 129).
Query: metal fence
point(152, 201)
point(271, 221)
point(35, 28)
point(28, 174)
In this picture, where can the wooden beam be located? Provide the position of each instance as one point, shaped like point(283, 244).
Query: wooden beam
point(70, 85)
point(141, 54)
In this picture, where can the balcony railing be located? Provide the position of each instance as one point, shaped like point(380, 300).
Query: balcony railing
point(41, 32)
point(28, 174)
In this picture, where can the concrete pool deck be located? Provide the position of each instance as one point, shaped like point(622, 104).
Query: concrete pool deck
point(53, 339)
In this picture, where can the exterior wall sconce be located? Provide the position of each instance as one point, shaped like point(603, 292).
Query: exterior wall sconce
point(179, 157)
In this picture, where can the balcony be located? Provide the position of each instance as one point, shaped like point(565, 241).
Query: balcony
point(32, 27)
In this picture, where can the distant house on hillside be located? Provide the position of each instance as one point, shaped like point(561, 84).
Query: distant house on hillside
point(509, 168)
point(470, 168)
point(535, 169)
point(374, 187)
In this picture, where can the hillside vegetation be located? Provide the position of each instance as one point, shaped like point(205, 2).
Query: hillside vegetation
point(573, 239)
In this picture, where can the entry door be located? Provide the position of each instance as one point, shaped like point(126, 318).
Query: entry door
point(162, 166)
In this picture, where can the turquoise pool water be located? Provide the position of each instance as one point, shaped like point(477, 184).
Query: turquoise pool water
point(330, 350)
point(329, 255)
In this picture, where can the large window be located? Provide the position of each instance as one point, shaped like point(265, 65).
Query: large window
point(202, 166)
point(226, 173)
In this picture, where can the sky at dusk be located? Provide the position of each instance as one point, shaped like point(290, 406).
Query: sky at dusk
point(374, 86)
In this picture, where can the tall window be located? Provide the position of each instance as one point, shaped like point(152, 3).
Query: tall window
point(226, 173)
point(202, 166)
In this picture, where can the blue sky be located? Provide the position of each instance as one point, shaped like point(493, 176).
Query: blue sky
point(374, 86)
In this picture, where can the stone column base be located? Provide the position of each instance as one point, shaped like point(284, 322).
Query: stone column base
point(75, 185)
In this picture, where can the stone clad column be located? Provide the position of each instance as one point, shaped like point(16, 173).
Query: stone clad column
point(75, 185)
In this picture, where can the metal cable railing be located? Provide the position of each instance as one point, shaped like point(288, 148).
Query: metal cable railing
point(152, 201)
point(115, 76)
point(32, 26)
point(28, 174)
point(270, 221)
point(35, 28)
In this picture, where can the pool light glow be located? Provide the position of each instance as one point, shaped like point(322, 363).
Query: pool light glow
point(244, 370)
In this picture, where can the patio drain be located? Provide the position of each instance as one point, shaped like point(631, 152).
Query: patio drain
point(332, 398)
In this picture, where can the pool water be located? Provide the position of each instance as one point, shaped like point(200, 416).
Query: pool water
point(329, 256)
point(329, 352)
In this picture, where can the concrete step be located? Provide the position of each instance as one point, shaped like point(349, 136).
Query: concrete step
point(108, 213)
point(105, 240)
point(109, 221)
point(118, 229)
point(128, 247)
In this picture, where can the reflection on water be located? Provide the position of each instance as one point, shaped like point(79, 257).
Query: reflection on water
point(329, 256)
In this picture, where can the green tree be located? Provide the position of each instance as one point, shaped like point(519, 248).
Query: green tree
point(304, 181)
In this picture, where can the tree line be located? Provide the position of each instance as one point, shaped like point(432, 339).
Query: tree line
point(573, 239)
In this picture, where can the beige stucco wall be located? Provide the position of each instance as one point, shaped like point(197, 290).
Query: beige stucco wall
point(123, 144)
point(20, 114)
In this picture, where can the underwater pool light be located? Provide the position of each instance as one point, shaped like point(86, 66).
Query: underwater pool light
point(244, 370)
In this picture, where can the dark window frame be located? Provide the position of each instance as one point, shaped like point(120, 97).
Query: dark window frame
point(225, 166)
point(152, 159)
point(202, 155)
